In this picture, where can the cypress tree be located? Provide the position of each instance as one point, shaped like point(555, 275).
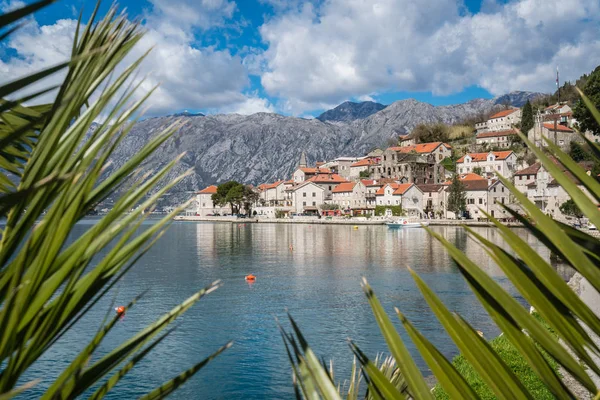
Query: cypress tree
point(527, 118)
point(457, 199)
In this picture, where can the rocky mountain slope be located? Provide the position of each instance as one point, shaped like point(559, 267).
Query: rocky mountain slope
point(266, 147)
point(350, 111)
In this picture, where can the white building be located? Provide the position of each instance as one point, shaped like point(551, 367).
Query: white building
point(494, 162)
point(328, 182)
point(406, 195)
point(302, 174)
point(434, 199)
point(205, 206)
point(272, 194)
point(497, 139)
point(504, 120)
point(307, 197)
point(360, 166)
point(342, 165)
point(525, 177)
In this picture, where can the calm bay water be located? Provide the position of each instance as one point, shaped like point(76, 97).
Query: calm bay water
point(318, 282)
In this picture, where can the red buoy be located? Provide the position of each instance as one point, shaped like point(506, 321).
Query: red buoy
point(120, 310)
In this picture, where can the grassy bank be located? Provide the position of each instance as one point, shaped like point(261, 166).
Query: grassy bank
point(513, 359)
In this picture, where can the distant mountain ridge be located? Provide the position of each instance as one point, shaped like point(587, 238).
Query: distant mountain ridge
point(518, 98)
point(266, 147)
point(350, 111)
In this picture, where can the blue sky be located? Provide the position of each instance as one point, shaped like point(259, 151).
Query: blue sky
point(299, 57)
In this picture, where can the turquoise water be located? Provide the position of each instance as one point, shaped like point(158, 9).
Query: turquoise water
point(318, 282)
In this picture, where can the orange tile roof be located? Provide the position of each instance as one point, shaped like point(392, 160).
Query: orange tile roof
point(327, 178)
point(559, 127)
point(344, 187)
point(497, 134)
point(470, 177)
point(381, 190)
point(266, 186)
point(503, 113)
point(315, 170)
point(500, 155)
point(420, 148)
point(402, 188)
point(209, 190)
point(363, 163)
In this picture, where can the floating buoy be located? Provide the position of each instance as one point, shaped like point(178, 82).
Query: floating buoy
point(120, 310)
point(250, 278)
point(355, 227)
point(480, 333)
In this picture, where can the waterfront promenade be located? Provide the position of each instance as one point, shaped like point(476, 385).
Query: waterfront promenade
point(332, 221)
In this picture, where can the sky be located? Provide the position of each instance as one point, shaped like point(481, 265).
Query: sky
point(300, 57)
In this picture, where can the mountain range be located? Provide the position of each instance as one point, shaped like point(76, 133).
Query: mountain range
point(266, 147)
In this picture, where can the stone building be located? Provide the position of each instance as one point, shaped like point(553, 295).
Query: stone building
point(559, 134)
point(406, 195)
point(504, 120)
point(205, 206)
point(434, 199)
point(351, 198)
point(306, 197)
point(413, 164)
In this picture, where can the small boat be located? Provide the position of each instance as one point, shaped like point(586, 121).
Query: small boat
point(403, 223)
point(250, 278)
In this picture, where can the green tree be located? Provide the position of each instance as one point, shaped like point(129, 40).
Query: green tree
point(571, 209)
point(250, 198)
point(581, 113)
point(477, 170)
point(54, 171)
point(577, 152)
point(457, 197)
point(365, 174)
point(527, 118)
point(223, 197)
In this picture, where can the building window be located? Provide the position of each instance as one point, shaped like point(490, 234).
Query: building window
point(471, 201)
point(314, 203)
point(314, 194)
point(329, 187)
point(480, 201)
point(304, 203)
point(303, 194)
point(502, 189)
point(520, 177)
point(503, 200)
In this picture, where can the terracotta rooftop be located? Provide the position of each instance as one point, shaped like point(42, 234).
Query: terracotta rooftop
point(266, 186)
point(500, 155)
point(559, 127)
point(497, 134)
point(209, 190)
point(402, 188)
point(531, 170)
point(381, 190)
point(421, 148)
point(504, 113)
point(344, 187)
point(315, 170)
point(363, 163)
point(327, 178)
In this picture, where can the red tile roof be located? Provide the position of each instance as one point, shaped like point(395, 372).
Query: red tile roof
point(559, 127)
point(315, 170)
point(381, 190)
point(497, 134)
point(209, 190)
point(327, 178)
point(402, 188)
point(266, 186)
point(504, 113)
point(531, 170)
point(363, 163)
point(426, 188)
point(421, 148)
point(344, 187)
point(500, 155)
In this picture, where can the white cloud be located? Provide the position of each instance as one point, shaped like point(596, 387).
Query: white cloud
point(190, 76)
point(349, 48)
point(252, 104)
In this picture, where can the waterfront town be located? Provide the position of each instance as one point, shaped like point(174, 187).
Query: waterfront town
point(414, 179)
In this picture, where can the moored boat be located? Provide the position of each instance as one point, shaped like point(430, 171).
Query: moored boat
point(404, 223)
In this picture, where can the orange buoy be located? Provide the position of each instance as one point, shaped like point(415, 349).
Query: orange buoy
point(120, 310)
point(250, 277)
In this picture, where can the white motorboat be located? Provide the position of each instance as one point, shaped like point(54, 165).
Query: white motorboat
point(404, 223)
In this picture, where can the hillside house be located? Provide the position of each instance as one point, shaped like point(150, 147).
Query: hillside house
point(561, 135)
point(328, 182)
point(434, 199)
point(525, 177)
point(302, 174)
point(501, 162)
point(500, 139)
point(406, 195)
point(360, 167)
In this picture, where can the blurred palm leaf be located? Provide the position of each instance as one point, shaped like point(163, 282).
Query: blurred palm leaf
point(52, 167)
point(570, 320)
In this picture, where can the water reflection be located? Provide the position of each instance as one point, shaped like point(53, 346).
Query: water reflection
point(313, 271)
